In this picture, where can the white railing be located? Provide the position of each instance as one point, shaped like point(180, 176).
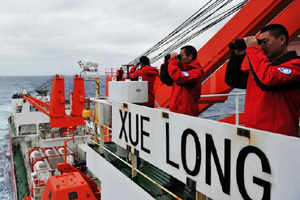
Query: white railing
point(237, 107)
point(47, 134)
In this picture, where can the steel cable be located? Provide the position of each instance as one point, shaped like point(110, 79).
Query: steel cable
point(180, 35)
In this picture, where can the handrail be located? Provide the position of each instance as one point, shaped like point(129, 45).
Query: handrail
point(236, 95)
point(47, 132)
point(223, 95)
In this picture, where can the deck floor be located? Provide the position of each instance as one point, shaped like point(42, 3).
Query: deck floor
point(20, 174)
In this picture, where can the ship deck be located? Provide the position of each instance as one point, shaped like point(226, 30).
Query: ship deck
point(19, 167)
point(20, 174)
point(148, 169)
point(22, 187)
point(151, 171)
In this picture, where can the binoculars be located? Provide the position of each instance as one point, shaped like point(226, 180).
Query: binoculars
point(239, 44)
point(168, 56)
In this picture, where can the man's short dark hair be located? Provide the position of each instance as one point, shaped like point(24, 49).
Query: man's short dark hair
point(190, 50)
point(276, 30)
point(145, 60)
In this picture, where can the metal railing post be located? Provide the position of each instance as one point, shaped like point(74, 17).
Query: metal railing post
point(133, 166)
point(101, 139)
point(237, 109)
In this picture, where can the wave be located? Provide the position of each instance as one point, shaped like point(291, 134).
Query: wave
point(6, 108)
point(6, 191)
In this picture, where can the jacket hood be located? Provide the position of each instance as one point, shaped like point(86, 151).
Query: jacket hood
point(150, 70)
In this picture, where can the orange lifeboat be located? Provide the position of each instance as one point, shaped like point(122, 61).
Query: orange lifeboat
point(68, 186)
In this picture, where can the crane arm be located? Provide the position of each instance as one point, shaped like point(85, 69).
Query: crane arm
point(37, 103)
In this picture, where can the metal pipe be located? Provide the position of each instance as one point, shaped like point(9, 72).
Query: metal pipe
point(67, 140)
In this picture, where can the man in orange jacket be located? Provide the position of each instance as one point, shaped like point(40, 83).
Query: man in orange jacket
point(185, 73)
point(272, 84)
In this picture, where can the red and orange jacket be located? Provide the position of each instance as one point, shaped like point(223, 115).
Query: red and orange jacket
point(272, 90)
point(149, 74)
point(186, 87)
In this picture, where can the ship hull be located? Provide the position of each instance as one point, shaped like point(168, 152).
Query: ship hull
point(15, 197)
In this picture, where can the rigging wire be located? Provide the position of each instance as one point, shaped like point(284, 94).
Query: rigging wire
point(41, 87)
point(201, 22)
point(180, 36)
point(181, 41)
point(200, 13)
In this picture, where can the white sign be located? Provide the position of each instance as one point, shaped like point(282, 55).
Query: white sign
point(223, 164)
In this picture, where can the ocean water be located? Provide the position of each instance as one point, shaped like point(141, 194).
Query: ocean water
point(11, 85)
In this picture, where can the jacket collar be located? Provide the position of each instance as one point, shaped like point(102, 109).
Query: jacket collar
point(188, 65)
point(286, 57)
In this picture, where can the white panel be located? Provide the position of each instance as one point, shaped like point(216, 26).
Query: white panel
point(61, 141)
point(245, 156)
point(114, 184)
point(128, 91)
point(31, 118)
point(105, 114)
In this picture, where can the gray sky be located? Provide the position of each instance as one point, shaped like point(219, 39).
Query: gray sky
point(48, 37)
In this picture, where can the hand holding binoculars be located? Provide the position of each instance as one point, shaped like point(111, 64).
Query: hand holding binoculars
point(239, 44)
point(177, 56)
